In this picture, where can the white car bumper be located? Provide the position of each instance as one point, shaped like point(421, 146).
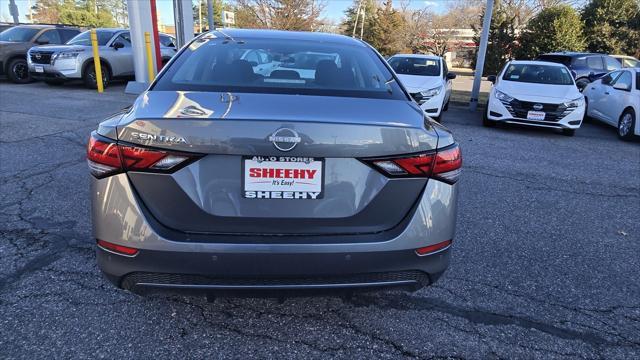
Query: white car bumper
point(556, 115)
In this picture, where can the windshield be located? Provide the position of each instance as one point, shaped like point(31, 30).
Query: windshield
point(18, 34)
point(415, 66)
point(538, 74)
point(280, 66)
point(85, 38)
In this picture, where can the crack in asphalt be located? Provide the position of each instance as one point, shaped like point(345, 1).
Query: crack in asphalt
point(489, 318)
point(633, 192)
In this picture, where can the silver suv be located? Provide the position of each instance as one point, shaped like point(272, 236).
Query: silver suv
point(74, 60)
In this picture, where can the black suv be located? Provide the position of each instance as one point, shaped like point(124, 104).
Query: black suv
point(16, 41)
point(586, 67)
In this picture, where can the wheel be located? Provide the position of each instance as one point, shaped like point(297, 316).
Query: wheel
point(54, 82)
point(485, 119)
point(89, 76)
point(568, 132)
point(626, 124)
point(18, 71)
point(582, 83)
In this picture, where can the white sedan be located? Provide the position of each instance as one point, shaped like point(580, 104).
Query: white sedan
point(615, 100)
point(535, 93)
point(427, 79)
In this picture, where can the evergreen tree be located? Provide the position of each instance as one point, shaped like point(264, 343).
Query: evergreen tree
point(612, 26)
point(502, 38)
point(556, 28)
point(388, 31)
point(370, 10)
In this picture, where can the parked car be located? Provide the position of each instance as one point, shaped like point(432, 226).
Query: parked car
point(585, 67)
point(627, 61)
point(535, 93)
point(223, 179)
point(428, 80)
point(17, 40)
point(615, 100)
point(74, 60)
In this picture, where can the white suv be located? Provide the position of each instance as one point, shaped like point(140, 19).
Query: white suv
point(535, 93)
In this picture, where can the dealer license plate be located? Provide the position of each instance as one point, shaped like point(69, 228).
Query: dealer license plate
point(39, 69)
point(282, 177)
point(536, 115)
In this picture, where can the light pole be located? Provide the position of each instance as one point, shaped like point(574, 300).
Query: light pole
point(482, 52)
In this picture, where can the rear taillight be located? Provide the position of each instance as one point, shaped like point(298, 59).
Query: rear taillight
point(106, 157)
point(444, 164)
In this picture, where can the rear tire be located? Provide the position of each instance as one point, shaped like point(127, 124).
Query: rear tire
point(568, 132)
point(18, 71)
point(626, 124)
point(485, 119)
point(89, 76)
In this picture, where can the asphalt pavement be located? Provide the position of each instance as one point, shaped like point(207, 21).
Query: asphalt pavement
point(545, 264)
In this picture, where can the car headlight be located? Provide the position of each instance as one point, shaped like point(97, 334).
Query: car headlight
point(431, 92)
point(503, 97)
point(577, 102)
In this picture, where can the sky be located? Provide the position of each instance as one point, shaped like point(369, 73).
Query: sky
point(334, 10)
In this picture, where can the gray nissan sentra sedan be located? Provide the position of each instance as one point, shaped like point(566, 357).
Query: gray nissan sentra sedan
point(267, 160)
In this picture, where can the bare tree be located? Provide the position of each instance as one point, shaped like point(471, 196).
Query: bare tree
point(302, 15)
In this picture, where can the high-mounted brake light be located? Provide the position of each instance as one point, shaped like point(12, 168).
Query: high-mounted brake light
point(106, 157)
point(444, 164)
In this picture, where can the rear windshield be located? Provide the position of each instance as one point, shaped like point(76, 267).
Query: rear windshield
point(280, 66)
point(19, 34)
point(415, 66)
point(85, 38)
point(565, 60)
point(539, 74)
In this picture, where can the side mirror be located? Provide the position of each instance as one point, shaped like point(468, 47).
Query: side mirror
point(253, 63)
point(42, 42)
point(592, 76)
point(620, 86)
point(492, 78)
point(451, 76)
point(117, 45)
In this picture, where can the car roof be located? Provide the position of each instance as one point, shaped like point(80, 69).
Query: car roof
point(535, 62)
point(571, 53)
point(419, 56)
point(286, 35)
point(36, 26)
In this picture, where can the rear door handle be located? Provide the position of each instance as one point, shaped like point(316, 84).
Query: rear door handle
point(606, 93)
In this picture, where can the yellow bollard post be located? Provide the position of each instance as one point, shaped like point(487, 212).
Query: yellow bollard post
point(147, 41)
point(96, 61)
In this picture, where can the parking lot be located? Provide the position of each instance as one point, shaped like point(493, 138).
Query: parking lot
point(545, 263)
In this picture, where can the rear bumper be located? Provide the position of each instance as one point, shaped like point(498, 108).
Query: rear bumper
point(285, 263)
point(158, 271)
